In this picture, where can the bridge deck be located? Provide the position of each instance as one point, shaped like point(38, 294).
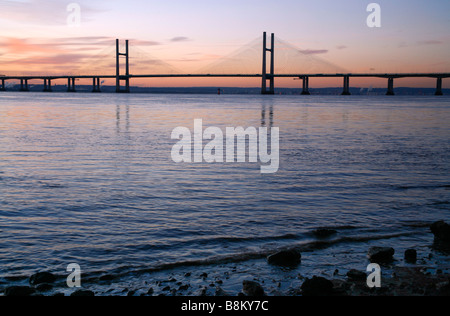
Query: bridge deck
point(360, 75)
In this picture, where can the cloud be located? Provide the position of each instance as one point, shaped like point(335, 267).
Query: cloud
point(143, 43)
point(430, 42)
point(314, 51)
point(44, 12)
point(102, 41)
point(85, 40)
point(24, 46)
point(341, 47)
point(88, 54)
point(51, 60)
point(179, 39)
point(54, 60)
point(12, 45)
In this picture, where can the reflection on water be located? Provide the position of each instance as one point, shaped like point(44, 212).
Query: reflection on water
point(263, 115)
point(89, 179)
point(118, 117)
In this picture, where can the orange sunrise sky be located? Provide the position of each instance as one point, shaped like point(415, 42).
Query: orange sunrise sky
point(328, 36)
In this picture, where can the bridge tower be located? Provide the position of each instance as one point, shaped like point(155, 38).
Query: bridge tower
point(268, 76)
point(120, 78)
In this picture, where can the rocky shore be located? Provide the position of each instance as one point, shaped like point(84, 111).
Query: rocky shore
point(415, 279)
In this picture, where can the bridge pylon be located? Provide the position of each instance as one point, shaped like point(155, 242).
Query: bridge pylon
point(119, 77)
point(268, 76)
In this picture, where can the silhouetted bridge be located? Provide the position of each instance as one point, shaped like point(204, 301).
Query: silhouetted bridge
point(267, 76)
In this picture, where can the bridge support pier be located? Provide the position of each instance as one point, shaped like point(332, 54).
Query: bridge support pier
point(47, 85)
point(3, 87)
point(305, 90)
point(96, 85)
point(125, 78)
point(71, 85)
point(265, 75)
point(390, 87)
point(439, 87)
point(346, 86)
point(24, 85)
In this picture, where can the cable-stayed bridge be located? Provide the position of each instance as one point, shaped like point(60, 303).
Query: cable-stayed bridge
point(270, 60)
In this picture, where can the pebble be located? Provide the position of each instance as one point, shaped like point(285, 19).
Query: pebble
point(254, 289)
point(287, 258)
point(42, 277)
point(19, 291)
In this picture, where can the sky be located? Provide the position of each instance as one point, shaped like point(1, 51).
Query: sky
point(42, 37)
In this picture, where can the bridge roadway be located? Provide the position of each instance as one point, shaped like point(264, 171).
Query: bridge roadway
point(305, 77)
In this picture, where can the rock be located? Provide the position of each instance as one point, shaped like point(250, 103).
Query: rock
point(82, 293)
point(202, 291)
point(19, 291)
point(131, 293)
point(253, 289)
point(204, 275)
point(324, 232)
point(44, 287)
point(381, 254)
point(441, 231)
point(411, 256)
point(443, 288)
point(355, 275)
point(42, 277)
point(317, 286)
point(287, 258)
point(220, 292)
point(184, 287)
point(150, 291)
point(340, 287)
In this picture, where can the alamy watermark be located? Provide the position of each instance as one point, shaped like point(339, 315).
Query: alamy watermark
point(74, 16)
point(233, 145)
point(374, 278)
point(374, 18)
point(74, 278)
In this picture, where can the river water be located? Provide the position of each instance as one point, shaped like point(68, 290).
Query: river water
point(89, 179)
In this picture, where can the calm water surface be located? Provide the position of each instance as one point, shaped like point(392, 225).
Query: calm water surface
point(89, 178)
